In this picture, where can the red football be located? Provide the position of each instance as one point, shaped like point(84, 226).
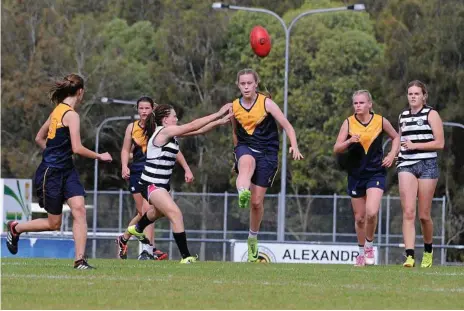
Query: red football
point(260, 41)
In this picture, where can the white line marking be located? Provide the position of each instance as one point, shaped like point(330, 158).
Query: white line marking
point(230, 282)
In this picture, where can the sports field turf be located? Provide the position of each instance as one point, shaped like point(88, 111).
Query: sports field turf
point(132, 284)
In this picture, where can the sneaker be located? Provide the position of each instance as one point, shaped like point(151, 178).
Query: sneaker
point(190, 259)
point(12, 238)
point(252, 249)
point(145, 256)
point(369, 257)
point(139, 235)
point(122, 247)
point(427, 260)
point(360, 261)
point(159, 255)
point(82, 264)
point(244, 198)
point(410, 262)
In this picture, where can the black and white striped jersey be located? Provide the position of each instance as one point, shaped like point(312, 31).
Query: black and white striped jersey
point(416, 128)
point(160, 161)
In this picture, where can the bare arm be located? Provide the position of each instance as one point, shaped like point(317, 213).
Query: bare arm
point(388, 128)
point(196, 124)
point(71, 119)
point(41, 137)
point(439, 137)
point(275, 111)
point(234, 132)
point(181, 160)
point(208, 127)
point(342, 142)
point(126, 151)
point(394, 136)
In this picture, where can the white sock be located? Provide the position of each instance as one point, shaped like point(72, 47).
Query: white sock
point(252, 234)
point(369, 244)
point(148, 248)
point(361, 250)
point(241, 189)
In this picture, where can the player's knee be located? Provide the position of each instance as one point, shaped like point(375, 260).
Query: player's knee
point(257, 203)
point(246, 166)
point(360, 220)
point(409, 215)
point(371, 217)
point(425, 218)
point(54, 224)
point(175, 216)
point(79, 212)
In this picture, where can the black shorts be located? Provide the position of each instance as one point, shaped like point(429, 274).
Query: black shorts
point(146, 189)
point(266, 165)
point(54, 186)
point(134, 185)
point(357, 186)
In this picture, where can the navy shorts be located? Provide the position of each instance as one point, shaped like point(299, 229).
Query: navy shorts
point(266, 165)
point(357, 186)
point(54, 186)
point(424, 169)
point(134, 185)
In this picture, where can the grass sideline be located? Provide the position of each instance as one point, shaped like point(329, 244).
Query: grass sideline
point(132, 284)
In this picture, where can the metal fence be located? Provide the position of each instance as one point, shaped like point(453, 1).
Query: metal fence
point(212, 220)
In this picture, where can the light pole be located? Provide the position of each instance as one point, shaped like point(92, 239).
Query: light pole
point(283, 181)
point(95, 176)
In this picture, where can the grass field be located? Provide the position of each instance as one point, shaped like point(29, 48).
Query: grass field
point(131, 284)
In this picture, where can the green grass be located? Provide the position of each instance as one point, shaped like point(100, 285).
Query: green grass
point(131, 284)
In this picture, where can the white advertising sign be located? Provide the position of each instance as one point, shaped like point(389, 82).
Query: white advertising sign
point(15, 200)
point(301, 253)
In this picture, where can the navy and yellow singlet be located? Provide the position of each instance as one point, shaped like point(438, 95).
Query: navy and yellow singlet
point(256, 128)
point(58, 151)
point(367, 155)
point(140, 148)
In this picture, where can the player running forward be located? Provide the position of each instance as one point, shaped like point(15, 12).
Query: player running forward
point(359, 146)
point(161, 129)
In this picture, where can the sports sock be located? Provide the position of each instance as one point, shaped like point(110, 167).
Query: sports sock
point(428, 247)
point(410, 252)
point(143, 223)
point(369, 243)
point(181, 241)
point(252, 234)
point(361, 250)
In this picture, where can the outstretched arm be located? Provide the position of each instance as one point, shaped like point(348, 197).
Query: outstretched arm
point(179, 131)
point(275, 111)
point(208, 127)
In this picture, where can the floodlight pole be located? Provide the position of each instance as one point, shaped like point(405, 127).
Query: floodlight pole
point(95, 178)
point(283, 177)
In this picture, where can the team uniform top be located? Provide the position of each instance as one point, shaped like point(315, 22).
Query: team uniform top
point(58, 151)
point(160, 161)
point(140, 148)
point(367, 155)
point(256, 128)
point(416, 128)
